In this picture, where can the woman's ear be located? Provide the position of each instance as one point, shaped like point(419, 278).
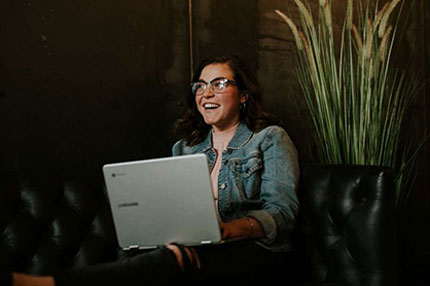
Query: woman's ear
point(243, 98)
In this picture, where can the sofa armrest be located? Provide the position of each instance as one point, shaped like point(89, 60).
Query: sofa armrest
point(347, 227)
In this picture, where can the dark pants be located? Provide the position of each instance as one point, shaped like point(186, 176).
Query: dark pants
point(156, 267)
point(241, 262)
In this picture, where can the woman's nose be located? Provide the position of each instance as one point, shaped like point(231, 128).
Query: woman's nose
point(208, 92)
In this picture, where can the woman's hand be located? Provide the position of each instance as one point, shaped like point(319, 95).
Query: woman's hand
point(243, 227)
point(191, 253)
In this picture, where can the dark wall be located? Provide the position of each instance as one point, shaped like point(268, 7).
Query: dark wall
point(90, 82)
point(414, 233)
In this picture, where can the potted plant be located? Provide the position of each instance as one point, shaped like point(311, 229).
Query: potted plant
point(356, 97)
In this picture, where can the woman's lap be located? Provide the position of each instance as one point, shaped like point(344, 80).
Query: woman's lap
point(240, 260)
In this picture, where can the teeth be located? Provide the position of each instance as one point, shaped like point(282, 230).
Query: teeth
point(211, 105)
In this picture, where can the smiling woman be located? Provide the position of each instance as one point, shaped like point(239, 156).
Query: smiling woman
point(253, 165)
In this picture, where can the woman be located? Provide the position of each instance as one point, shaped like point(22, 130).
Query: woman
point(253, 163)
point(254, 172)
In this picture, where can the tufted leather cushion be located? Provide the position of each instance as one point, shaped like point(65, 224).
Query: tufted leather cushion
point(346, 229)
point(51, 220)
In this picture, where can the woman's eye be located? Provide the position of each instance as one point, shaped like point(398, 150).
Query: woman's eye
point(220, 85)
point(198, 87)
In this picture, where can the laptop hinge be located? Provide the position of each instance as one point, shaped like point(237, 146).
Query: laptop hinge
point(133, 247)
point(206, 242)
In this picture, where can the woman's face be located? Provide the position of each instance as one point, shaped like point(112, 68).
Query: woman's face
point(221, 110)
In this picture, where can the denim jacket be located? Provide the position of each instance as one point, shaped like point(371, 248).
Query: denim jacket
point(258, 177)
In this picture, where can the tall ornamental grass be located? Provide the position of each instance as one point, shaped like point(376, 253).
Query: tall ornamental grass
point(357, 99)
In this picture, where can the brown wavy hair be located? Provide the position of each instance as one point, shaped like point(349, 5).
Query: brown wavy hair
point(192, 126)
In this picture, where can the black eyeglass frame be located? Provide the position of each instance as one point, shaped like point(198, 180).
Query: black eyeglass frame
point(224, 81)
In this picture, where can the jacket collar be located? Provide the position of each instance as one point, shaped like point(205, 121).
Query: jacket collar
point(240, 138)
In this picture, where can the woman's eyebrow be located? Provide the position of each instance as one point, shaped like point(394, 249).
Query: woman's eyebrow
point(220, 77)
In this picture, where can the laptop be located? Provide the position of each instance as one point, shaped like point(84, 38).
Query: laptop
point(161, 201)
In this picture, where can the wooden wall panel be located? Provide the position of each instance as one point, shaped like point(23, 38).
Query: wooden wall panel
point(87, 82)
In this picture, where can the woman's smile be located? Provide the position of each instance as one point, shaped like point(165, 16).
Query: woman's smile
point(211, 106)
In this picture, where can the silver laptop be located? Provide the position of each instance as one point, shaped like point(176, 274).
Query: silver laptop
point(161, 201)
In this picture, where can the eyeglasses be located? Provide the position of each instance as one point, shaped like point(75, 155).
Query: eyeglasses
point(218, 85)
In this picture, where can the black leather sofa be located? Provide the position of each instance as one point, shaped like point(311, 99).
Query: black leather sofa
point(345, 235)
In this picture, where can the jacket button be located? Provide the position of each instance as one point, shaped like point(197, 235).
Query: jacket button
point(223, 186)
